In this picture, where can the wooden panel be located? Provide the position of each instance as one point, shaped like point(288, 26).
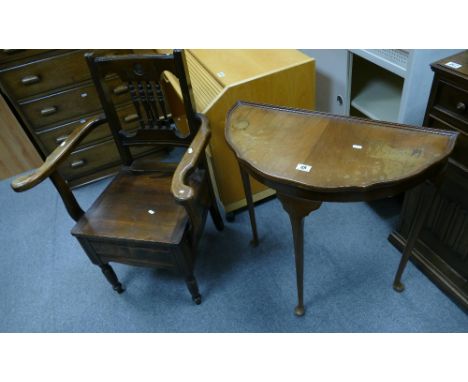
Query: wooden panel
point(131, 208)
point(343, 154)
point(9, 55)
point(133, 255)
point(205, 87)
point(17, 154)
point(51, 73)
point(459, 58)
point(460, 152)
point(66, 105)
point(294, 87)
point(232, 66)
point(442, 248)
point(452, 99)
point(90, 159)
point(51, 138)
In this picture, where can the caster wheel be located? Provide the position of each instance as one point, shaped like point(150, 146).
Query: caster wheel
point(399, 287)
point(119, 288)
point(197, 300)
point(230, 217)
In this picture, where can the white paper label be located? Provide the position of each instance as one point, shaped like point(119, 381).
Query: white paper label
point(453, 65)
point(303, 167)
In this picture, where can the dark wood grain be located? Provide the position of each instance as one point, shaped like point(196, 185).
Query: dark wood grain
point(310, 157)
point(441, 249)
point(351, 158)
point(132, 206)
point(50, 89)
point(148, 215)
point(52, 72)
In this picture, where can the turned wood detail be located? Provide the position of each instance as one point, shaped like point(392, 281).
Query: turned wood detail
point(152, 213)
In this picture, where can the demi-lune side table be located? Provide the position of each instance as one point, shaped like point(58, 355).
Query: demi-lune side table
point(311, 157)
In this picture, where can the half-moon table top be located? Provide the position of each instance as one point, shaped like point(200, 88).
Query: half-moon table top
point(333, 157)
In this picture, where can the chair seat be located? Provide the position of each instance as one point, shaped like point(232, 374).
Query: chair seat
point(137, 207)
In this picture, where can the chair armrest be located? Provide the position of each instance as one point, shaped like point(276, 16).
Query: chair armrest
point(181, 191)
point(56, 157)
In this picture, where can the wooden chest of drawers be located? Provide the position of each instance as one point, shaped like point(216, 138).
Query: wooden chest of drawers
point(50, 92)
point(442, 249)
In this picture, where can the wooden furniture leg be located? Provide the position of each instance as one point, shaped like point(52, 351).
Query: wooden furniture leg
point(250, 205)
point(193, 288)
point(112, 278)
point(426, 199)
point(297, 210)
point(185, 255)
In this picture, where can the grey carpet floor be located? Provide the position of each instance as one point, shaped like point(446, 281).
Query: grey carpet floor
point(49, 285)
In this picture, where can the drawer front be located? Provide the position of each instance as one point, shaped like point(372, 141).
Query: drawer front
point(89, 159)
point(452, 99)
point(54, 137)
point(49, 73)
point(460, 152)
point(137, 255)
point(10, 55)
point(70, 104)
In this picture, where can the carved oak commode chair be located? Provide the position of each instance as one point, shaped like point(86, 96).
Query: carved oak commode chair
point(152, 213)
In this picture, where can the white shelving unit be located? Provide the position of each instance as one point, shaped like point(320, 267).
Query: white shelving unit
point(384, 84)
point(393, 60)
point(378, 100)
point(391, 84)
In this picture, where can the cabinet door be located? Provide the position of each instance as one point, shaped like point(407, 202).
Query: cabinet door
point(331, 71)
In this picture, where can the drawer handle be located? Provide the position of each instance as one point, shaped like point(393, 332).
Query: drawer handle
point(77, 163)
point(461, 107)
point(48, 110)
point(61, 139)
point(130, 118)
point(29, 80)
point(120, 89)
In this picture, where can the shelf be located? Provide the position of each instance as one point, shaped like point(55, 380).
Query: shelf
point(379, 100)
point(393, 60)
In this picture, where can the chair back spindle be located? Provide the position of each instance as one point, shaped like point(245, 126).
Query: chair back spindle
point(145, 81)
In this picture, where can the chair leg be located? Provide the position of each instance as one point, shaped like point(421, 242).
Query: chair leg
point(112, 278)
point(185, 255)
point(214, 210)
point(216, 216)
point(193, 288)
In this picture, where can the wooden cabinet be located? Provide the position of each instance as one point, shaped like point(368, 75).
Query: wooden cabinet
point(220, 78)
point(442, 248)
point(50, 92)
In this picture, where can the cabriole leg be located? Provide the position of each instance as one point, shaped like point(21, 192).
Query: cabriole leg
point(297, 210)
point(422, 209)
point(250, 205)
